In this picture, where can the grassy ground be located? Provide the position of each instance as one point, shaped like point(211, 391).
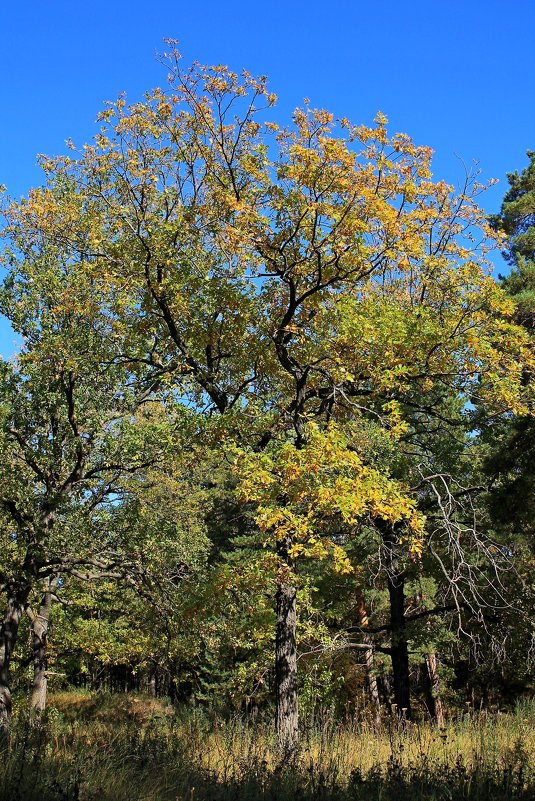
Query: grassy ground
point(130, 748)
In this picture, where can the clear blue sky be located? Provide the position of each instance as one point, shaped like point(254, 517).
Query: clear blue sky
point(458, 76)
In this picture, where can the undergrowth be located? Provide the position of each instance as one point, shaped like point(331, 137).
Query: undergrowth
point(123, 748)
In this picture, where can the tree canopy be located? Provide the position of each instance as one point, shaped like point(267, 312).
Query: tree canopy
point(312, 315)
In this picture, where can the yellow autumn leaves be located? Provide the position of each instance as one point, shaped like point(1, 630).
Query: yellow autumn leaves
point(315, 496)
point(248, 259)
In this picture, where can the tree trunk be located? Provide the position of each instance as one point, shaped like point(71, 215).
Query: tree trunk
point(153, 680)
point(8, 639)
point(432, 690)
point(385, 686)
point(399, 645)
point(400, 667)
point(40, 623)
point(371, 677)
point(286, 719)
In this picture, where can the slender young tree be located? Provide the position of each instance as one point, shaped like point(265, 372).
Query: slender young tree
point(70, 431)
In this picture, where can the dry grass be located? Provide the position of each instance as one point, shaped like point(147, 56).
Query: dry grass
point(130, 748)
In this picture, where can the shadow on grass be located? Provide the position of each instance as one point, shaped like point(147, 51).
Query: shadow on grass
point(59, 761)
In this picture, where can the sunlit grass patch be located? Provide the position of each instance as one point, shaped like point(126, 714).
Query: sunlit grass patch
point(101, 747)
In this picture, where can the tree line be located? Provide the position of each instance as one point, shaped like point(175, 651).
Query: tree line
point(269, 434)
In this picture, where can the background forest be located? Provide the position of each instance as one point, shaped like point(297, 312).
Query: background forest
point(267, 448)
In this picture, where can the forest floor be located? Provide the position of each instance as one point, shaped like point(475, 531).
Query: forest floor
point(103, 747)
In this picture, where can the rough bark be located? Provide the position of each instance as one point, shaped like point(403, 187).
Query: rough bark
point(433, 700)
point(371, 676)
point(40, 622)
point(287, 718)
point(398, 625)
point(385, 687)
point(8, 639)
